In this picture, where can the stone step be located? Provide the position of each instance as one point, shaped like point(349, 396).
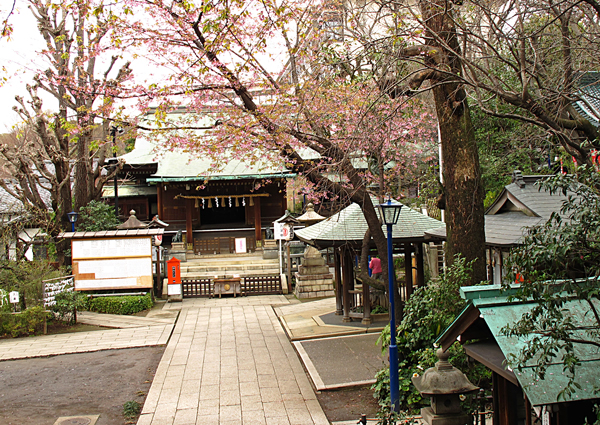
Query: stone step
point(228, 274)
point(228, 265)
point(228, 260)
point(232, 267)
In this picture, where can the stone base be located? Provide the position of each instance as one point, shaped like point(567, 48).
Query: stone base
point(317, 294)
point(313, 270)
point(180, 255)
point(432, 419)
point(269, 244)
point(178, 246)
point(269, 254)
point(314, 286)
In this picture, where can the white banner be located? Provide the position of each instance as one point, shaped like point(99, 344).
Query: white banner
point(54, 287)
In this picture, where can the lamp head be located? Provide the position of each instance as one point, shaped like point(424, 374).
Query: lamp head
point(390, 211)
point(72, 216)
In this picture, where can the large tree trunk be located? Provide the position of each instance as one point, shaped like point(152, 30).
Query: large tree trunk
point(462, 175)
point(462, 183)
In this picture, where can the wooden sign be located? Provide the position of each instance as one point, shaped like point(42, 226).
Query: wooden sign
point(112, 263)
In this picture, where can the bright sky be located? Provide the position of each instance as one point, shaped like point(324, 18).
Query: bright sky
point(18, 58)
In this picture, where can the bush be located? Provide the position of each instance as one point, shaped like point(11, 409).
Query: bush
point(28, 322)
point(97, 216)
point(426, 315)
point(67, 304)
point(129, 304)
point(26, 277)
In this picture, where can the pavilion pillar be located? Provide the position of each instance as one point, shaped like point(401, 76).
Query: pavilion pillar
point(420, 264)
point(160, 200)
point(337, 270)
point(189, 233)
point(408, 270)
point(347, 267)
point(366, 320)
point(257, 220)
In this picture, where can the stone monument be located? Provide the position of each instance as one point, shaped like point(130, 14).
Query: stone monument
point(313, 279)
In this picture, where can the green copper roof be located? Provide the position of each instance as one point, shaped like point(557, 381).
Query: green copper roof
point(350, 225)
point(498, 312)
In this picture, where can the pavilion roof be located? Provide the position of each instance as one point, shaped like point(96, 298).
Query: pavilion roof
point(350, 226)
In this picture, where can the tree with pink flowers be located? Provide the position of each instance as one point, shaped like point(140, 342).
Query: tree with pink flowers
point(269, 76)
point(63, 152)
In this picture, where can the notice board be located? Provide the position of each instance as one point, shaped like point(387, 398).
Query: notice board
point(112, 263)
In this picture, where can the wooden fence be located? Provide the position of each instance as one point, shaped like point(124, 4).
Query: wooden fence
point(221, 245)
point(197, 288)
point(255, 285)
point(262, 285)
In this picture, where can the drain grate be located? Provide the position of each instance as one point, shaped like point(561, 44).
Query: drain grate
point(77, 420)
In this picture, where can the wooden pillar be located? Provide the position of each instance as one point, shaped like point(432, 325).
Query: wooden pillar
point(420, 264)
point(189, 234)
point(289, 267)
point(366, 320)
point(257, 220)
point(160, 200)
point(506, 404)
point(495, 401)
point(347, 267)
point(337, 270)
point(408, 270)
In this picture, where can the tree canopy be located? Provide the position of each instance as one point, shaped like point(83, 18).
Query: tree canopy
point(58, 163)
point(558, 262)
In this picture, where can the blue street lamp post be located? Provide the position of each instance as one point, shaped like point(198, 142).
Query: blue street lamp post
point(72, 219)
point(390, 211)
point(114, 130)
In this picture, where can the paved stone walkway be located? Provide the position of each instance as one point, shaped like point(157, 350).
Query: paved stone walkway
point(230, 362)
point(137, 332)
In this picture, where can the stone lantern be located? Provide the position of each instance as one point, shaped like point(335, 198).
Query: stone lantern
point(310, 216)
point(444, 383)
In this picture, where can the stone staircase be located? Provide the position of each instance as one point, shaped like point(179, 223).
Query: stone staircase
point(228, 265)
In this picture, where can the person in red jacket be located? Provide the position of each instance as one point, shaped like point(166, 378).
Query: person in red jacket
point(375, 266)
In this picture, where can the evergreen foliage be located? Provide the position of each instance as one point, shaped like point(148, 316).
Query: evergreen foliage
point(97, 216)
point(428, 312)
point(121, 305)
point(559, 262)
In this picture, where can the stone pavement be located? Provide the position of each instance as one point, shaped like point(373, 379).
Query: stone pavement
point(154, 318)
point(322, 339)
point(304, 321)
point(230, 362)
point(361, 355)
point(137, 332)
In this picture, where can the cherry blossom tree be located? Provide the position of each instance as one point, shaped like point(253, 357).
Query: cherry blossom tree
point(269, 76)
point(63, 152)
point(5, 14)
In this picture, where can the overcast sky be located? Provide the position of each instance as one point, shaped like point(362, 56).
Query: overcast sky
point(18, 57)
point(19, 60)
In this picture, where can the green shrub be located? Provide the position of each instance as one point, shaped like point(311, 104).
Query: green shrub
point(129, 304)
point(426, 315)
point(28, 322)
point(97, 216)
point(67, 304)
point(26, 277)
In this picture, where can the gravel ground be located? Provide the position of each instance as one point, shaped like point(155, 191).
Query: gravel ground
point(38, 391)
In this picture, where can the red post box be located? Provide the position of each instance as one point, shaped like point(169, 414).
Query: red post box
point(174, 271)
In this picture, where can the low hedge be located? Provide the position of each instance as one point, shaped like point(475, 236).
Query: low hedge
point(128, 304)
point(28, 322)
